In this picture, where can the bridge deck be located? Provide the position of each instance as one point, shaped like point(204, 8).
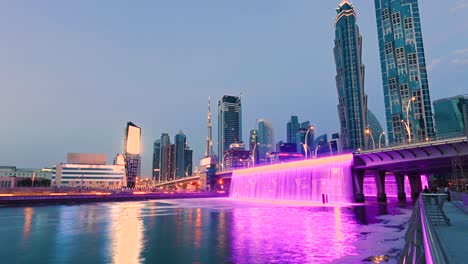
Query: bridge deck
point(454, 238)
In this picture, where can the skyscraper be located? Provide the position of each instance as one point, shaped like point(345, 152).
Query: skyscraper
point(229, 123)
point(132, 152)
point(188, 161)
point(404, 76)
point(156, 159)
point(165, 141)
point(209, 140)
point(266, 139)
point(375, 130)
point(291, 129)
point(180, 141)
point(253, 147)
point(352, 102)
point(169, 162)
point(451, 115)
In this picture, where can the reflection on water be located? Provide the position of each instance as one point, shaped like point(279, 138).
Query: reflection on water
point(28, 214)
point(200, 231)
point(126, 233)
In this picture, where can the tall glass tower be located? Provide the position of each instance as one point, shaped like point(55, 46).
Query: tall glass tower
point(229, 123)
point(132, 150)
point(180, 141)
point(404, 75)
point(352, 102)
point(156, 160)
point(266, 139)
point(291, 129)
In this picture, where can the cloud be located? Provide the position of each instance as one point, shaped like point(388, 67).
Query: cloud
point(459, 6)
point(463, 61)
point(460, 52)
point(433, 64)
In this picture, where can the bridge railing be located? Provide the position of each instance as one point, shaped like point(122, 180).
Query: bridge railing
point(429, 141)
point(422, 243)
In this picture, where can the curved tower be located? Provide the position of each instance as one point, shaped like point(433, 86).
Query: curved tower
point(352, 101)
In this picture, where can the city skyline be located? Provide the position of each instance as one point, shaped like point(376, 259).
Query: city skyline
point(84, 96)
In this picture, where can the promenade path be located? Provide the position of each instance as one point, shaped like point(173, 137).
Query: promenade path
point(454, 238)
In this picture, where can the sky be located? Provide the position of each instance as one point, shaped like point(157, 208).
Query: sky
point(73, 73)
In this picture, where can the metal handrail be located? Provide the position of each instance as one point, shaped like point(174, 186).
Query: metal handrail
point(422, 243)
point(432, 248)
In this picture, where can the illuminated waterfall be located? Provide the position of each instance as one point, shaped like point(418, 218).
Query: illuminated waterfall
point(307, 180)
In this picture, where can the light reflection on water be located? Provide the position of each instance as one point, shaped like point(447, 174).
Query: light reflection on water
point(199, 231)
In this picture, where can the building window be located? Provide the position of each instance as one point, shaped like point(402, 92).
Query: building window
point(389, 55)
point(401, 63)
point(396, 21)
point(413, 67)
point(392, 86)
point(387, 28)
point(409, 33)
point(404, 92)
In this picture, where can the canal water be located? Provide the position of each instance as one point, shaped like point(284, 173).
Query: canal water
point(220, 230)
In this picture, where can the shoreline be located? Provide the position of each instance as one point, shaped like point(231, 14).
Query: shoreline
point(6, 201)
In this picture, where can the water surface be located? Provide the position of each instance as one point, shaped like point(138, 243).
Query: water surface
point(218, 230)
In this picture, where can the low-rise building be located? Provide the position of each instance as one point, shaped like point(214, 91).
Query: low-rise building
point(88, 175)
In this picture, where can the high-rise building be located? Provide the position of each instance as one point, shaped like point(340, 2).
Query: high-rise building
point(291, 129)
point(165, 141)
point(404, 75)
point(451, 115)
point(188, 161)
point(180, 140)
point(168, 155)
point(375, 130)
point(266, 139)
point(229, 123)
point(156, 159)
point(352, 101)
point(209, 140)
point(132, 150)
point(253, 145)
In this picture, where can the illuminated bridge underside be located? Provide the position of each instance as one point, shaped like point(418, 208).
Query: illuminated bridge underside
point(308, 180)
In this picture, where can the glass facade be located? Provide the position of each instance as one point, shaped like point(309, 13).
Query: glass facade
point(156, 159)
point(404, 76)
point(376, 131)
point(451, 116)
point(132, 153)
point(163, 158)
point(352, 102)
point(229, 123)
point(180, 142)
point(266, 139)
point(291, 129)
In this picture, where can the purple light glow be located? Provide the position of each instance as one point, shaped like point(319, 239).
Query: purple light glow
point(305, 180)
point(370, 188)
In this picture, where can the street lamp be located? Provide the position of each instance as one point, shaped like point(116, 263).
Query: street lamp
point(305, 139)
point(380, 137)
point(407, 123)
point(368, 132)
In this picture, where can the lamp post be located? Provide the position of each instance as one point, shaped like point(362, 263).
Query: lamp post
point(316, 149)
point(305, 139)
point(407, 123)
point(368, 132)
point(380, 138)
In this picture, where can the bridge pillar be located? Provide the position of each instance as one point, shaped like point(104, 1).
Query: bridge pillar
point(400, 181)
point(380, 182)
point(358, 186)
point(416, 185)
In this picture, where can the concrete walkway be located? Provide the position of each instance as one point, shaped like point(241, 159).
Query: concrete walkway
point(454, 238)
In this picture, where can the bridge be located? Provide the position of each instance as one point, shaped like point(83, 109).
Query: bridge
point(412, 160)
point(427, 158)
